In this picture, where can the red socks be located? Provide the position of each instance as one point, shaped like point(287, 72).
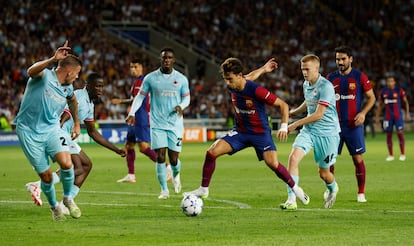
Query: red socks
point(208, 169)
point(130, 158)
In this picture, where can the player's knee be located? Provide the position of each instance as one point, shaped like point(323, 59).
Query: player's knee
point(293, 160)
point(46, 177)
point(87, 166)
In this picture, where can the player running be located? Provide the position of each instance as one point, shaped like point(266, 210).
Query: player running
point(252, 128)
point(320, 131)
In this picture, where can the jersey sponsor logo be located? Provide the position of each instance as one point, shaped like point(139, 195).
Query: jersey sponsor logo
point(167, 93)
point(55, 96)
point(344, 97)
point(352, 86)
point(388, 101)
point(243, 111)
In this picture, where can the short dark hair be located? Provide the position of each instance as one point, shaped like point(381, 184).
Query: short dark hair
point(92, 77)
point(167, 49)
point(137, 60)
point(70, 60)
point(344, 49)
point(231, 65)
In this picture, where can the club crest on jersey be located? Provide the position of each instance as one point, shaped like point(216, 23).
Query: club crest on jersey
point(352, 86)
point(249, 103)
point(315, 91)
point(395, 95)
point(175, 82)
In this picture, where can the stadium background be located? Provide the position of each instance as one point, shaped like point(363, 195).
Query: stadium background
point(107, 34)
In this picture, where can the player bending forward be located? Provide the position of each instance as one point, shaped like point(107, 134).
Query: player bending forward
point(252, 128)
point(87, 97)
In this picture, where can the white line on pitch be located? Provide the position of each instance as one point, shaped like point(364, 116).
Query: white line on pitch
point(218, 207)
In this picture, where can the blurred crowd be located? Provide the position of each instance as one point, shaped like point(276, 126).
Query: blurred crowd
point(380, 32)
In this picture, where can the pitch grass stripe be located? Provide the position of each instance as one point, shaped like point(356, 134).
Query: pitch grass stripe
point(218, 207)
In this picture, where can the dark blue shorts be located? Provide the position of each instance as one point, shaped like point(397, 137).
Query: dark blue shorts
point(260, 142)
point(138, 134)
point(354, 140)
point(388, 125)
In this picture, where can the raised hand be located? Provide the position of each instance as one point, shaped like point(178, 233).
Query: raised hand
point(62, 52)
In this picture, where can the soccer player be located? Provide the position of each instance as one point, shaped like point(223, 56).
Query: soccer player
point(38, 128)
point(87, 98)
point(392, 98)
point(351, 86)
point(251, 130)
point(140, 132)
point(170, 95)
point(320, 130)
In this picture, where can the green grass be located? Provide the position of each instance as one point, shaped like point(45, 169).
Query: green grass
point(242, 208)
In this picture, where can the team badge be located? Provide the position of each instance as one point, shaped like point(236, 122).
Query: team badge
point(395, 95)
point(315, 92)
point(249, 103)
point(352, 86)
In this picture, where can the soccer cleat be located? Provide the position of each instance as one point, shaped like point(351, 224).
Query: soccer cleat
point(301, 195)
point(127, 179)
point(330, 197)
point(288, 206)
point(165, 194)
point(35, 190)
point(402, 158)
point(200, 192)
point(57, 213)
point(389, 158)
point(74, 211)
point(361, 197)
point(169, 172)
point(64, 209)
point(177, 183)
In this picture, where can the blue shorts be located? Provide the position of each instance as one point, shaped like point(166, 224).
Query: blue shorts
point(354, 140)
point(260, 142)
point(325, 148)
point(138, 134)
point(388, 125)
point(161, 138)
point(39, 147)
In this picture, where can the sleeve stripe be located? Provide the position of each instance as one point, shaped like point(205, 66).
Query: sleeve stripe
point(326, 104)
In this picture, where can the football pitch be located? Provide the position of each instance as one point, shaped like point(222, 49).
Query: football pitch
point(242, 209)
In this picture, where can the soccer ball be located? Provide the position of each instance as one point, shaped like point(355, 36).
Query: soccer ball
point(192, 205)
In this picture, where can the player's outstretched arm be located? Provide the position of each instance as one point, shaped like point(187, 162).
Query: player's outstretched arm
point(266, 68)
point(36, 70)
point(97, 137)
